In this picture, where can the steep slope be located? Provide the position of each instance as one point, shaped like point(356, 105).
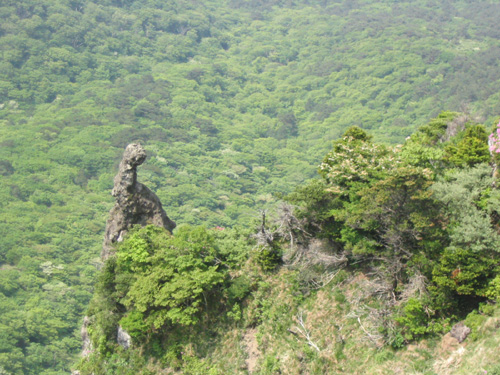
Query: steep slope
point(236, 102)
point(377, 262)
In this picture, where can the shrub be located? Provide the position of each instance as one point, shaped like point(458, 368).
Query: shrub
point(415, 320)
point(269, 257)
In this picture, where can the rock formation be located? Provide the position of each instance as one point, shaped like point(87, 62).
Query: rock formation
point(460, 331)
point(135, 203)
point(123, 338)
point(84, 332)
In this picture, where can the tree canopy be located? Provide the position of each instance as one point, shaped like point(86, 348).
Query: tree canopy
point(236, 103)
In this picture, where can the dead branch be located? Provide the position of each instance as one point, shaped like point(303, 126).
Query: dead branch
point(324, 280)
point(315, 252)
point(416, 286)
point(264, 237)
point(305, 332)
point(375, 337)
point(292, 332)
point(368, 334)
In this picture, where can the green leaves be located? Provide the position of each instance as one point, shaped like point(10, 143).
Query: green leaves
point(172, 277)
point(413, 320)
point(235, 105)
point(135, 255)
point(404, 211)
point(464, 272)
point(472, 149)
point(353, 160)
point(462, 191)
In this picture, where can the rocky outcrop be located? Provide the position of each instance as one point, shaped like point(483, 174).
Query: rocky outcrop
point(460, 331)
point(123, 338)
point(84, 332)
point(135, 203)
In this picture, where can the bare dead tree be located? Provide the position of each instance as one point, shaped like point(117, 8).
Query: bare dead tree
point(373, 321)
point(288, 226)
point(264, 236)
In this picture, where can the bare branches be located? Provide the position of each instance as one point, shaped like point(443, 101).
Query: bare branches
point(371, 331)
point(372, 337)
point(264, 236)
point(316, 252)
point(416, 286)
point(289, 227)
point(304, 332)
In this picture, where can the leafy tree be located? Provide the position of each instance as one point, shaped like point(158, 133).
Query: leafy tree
point(465, 272)
point(472, 149)
point(173, 277)
point(354, 161)
point(468, 264)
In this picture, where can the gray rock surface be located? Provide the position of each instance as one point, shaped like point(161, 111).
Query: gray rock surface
point(86, 343)
point(123, 338)
point(135, 203)
point(460, 331)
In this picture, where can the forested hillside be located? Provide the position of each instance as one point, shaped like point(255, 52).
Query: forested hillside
point(381, 257)
point(236, 102)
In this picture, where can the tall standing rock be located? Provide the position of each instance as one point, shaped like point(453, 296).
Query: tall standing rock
point(135, 203)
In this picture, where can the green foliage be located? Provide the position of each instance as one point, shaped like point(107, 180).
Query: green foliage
point(493, 370)
point(171, 284)
point(135, 255)
point(397, 210)
point(464, 272)
point(269, 257)
point(235, 103)
point(493, 291)
point(155, 285)
point(271, 365)
point(126, 362)
point(435, 130)
point(405, 212)
point(382, 205)
point(240, 287)
point(134, 324)
point(469, 264)
point(315, 205)
point(474, 321)
point(472, 149)
point(357, 133)
point(419, 155)
point(354, 161)
point(195, 366)
point(415, 321)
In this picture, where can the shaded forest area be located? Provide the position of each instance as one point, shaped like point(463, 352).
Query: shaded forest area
point(236, 102)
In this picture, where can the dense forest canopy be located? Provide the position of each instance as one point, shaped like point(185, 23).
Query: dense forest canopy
point(236, 102)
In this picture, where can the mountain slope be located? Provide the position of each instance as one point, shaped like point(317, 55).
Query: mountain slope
point(234, 101)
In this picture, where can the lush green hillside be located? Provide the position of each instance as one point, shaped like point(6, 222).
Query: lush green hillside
point(234, 101)
point(379, 259)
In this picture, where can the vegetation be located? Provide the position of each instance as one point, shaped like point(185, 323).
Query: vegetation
point(400, 250)
point(236, 103)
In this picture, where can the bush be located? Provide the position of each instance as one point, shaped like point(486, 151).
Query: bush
point(269, 257)
point(134, 324)
point(474, 321)
point(172, 275)
point(415, 320)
